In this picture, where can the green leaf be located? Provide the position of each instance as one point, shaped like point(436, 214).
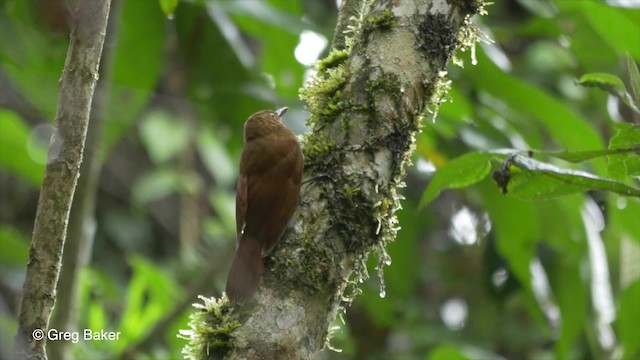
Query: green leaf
point(19, 154)
point(169, 7)
point(14, 247)
point(447, 352)
point(215, 156)
point(580, 156)
point(278, 24)
point(164, 136)
point(32, 57)
point(147, 300)
point(634, 77)
point(461, 172)
point(224, 204)
point(138, 64)
point(606, 82)
point(566, 128)
point(627, 136)
point(541, 180)
point(628, 320)
point(155, 185)
point(225, 97)
point(612, 25)
point(611, 84)
point(517, 228)
point(569, 288)
point(625, 164)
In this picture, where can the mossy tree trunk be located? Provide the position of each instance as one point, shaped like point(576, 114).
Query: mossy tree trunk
point(367, 103)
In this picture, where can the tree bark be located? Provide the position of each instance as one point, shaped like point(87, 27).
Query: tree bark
point(61, 174)
point(367, 103)
point(81, 229)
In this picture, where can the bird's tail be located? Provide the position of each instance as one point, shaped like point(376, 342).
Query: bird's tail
point(246, 269)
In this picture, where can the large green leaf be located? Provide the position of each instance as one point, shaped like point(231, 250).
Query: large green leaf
point(147, 300)
point(138, 62)
point(169, 7)
point(627, 135)
point(19, 154)
point(219, 86)
point(216, 157)
point(164, 136)
point(32, 56)
point(611, 84)
point(538, 180)
point(580, 156)
point(625, 164)
point(447, 352)
point(612, 24)
point(14, 247)
point(634, 78)
point(566, 128)
point(517, 228)
point(458, 173)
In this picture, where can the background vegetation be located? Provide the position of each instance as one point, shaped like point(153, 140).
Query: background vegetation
point(474, 273)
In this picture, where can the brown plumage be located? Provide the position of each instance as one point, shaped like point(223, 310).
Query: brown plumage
point(267, 196)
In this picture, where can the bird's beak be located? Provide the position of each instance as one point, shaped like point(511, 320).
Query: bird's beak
point(281, 111)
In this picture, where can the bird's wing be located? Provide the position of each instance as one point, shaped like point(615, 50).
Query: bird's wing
point(241, 205)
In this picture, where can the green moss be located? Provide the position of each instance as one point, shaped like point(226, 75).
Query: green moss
point(315, 148)
point(210, 330)
point(322, 93)
point(312, 268)
point(346, 126)
point(335, 58)
point(384, 84)
point(379, 20)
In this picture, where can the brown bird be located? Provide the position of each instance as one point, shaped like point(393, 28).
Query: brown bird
point(267, 196)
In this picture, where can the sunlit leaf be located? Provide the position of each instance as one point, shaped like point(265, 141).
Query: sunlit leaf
point(461, 172)
point(606, 82)
point(447, 352)
point(155, 185)
point(147, 300)
point(164, 136)
point(580, 156)
point(169, 6)
point(612, 25)
point(32, 57)
point(611, 84)
point(567, 129)
point(539, 180)
point(138, 62)
point(215, 157)
point(627, 136)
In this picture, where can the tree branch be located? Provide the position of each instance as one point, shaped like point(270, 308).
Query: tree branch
point(61, 173)
point(79, 241)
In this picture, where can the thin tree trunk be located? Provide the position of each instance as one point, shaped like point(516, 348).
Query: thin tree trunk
point(77, 86)
point(79, 242)
point(367, 104)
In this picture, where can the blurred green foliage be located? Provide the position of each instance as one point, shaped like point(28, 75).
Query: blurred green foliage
point(551, 106)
